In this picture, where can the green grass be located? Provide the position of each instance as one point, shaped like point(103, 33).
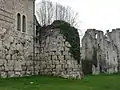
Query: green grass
point(100, 82)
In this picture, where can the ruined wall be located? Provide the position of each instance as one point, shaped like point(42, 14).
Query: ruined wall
point(55, 56)
point(115, 37)
point(100, 51)
point(16, 47)
point(52, 54)
point(111, 52)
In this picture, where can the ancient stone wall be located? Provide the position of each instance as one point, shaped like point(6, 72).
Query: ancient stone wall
point(56, 58)
point(20, 56)
point(114, 36)
point(16, 47)
point(100, 52)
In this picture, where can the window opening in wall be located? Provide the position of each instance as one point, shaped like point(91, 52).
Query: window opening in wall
point(23, 24)
point(18, 22)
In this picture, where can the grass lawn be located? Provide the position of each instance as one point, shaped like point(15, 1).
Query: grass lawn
point(100, 82)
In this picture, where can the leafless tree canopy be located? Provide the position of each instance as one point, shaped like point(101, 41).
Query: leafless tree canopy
point(47, 12)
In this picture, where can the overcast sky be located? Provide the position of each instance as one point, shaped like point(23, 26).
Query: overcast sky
point(98, 14)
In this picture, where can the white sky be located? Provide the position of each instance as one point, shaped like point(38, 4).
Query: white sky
point(98, 14)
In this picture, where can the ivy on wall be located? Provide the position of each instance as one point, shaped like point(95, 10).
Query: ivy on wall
point(71, 35)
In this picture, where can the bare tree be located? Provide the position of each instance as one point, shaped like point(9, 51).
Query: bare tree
point(48, 12)
point(45, 12)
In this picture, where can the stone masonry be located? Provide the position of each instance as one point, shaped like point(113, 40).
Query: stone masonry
point(55, 58)
point(100, 53)
point(21, 56)
point(16, 47)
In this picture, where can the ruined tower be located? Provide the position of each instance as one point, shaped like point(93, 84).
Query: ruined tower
point(100, 52)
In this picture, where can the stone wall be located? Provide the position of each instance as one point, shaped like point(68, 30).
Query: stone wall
point(16, 47)
point(56, 58)
point(20, 56)
point(115, 37)
point(100, 51)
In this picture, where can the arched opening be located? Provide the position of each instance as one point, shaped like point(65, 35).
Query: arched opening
point(18, 22)
point(23, 24)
